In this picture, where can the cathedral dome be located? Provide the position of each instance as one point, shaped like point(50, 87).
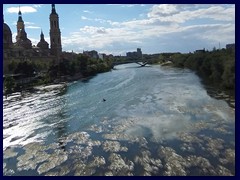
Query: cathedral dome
point(26, 43)
point(6, 28)
point(7, 36)
point(42, 44)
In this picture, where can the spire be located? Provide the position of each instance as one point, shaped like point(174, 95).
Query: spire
point(20, 15)
point(19, 12)
point(42, 36)
point(53, 9)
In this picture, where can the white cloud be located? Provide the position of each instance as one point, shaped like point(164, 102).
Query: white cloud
point(24, 9)
point(128, 5)
point(32, 27)
point(37, 5)
point(28, 23)
point(215, 32)
point(87, 11)
point(93, 30)
point(163, 10)
point(100, 20)
point(99, 37)
point(84, 18)
point(181, 13)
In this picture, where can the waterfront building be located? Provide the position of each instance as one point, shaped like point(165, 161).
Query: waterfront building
point(23, 49)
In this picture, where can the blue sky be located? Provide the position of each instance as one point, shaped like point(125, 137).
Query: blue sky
point(119, 28)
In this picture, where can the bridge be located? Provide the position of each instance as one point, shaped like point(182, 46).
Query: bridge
point(142, 63)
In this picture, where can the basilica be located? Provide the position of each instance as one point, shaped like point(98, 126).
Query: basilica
point(23, 49)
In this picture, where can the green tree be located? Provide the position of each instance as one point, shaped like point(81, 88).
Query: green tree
point(228, 75)
point(179, 59)
point(205, 68)
point(52, 72)
point(9, 84)
point(12, 66)
point(26, 68)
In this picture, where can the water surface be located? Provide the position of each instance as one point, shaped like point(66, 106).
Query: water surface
point(155, 121)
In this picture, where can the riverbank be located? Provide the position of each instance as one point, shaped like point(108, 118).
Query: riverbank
point(45, 85)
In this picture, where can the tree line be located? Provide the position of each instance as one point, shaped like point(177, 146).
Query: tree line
point(82, 64)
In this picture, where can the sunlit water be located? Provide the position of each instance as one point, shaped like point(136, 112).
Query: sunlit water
point(155, 121)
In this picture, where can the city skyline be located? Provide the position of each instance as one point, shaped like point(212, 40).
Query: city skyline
point(119, 28)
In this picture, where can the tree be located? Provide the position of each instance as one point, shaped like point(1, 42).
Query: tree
point(179, 59)
point(83, 62)
point(26, 68)
point(228, 75)
point(12, 66)
point(9, 84)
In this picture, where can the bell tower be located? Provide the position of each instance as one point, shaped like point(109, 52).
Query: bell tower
point(20, 25)
point(55, 34)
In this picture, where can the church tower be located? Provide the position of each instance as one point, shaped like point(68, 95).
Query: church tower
point(21, 37)
point(20, 25)
point(55, 34)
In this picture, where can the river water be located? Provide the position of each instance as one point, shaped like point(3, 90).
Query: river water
point(154, 121)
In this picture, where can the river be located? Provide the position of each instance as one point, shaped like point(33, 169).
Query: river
point(133, 120)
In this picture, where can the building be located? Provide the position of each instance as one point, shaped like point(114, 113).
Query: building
point(69, 55)
point(55, 34)
point(23, 49)
point(21, 38)
point(135, 55)
point(230, 46)
point(92, 54)
point(200, 51)
point(43, 44)
point(7, 37)
point(101, 56)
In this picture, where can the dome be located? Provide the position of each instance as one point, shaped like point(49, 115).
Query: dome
point(26, 43)
point(6, 28)
point(42, 44)
point(7, 36)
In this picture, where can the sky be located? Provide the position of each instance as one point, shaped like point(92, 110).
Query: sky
point(120, 28)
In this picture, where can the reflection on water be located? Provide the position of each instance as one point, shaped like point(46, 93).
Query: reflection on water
point(155, 121)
